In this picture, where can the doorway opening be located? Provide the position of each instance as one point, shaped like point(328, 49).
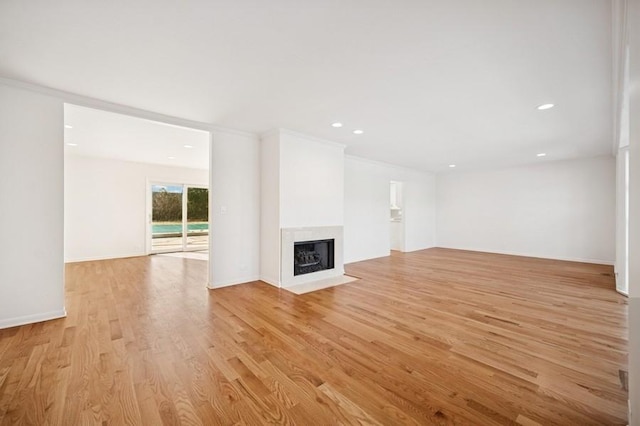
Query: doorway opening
point(396, 229)
point(179, 218)
point(111, 161)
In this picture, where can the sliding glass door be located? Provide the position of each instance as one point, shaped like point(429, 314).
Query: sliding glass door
point(197, 214)
point(179, 218)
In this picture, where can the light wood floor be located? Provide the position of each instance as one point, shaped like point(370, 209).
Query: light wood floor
point(431, 337)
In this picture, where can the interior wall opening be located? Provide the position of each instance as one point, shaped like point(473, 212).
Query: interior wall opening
point(112, 161)
point(396, 210)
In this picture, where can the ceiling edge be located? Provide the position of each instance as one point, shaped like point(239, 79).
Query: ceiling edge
point(88, 102)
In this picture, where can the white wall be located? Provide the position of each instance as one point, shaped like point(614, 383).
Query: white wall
point(560, 210)
point(270, 208)
point(31, 218)
point(366, 209)
point(235, 211)
point(633, 37)
point(311, 182)
point(419, 212)
point(105, 205)
point(302, 185)
point(622, 231)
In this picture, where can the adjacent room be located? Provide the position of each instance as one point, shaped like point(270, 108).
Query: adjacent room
point(133, 187)
point(411, 212)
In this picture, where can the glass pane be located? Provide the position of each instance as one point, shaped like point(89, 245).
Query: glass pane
point(198, 218)
point(166, 223)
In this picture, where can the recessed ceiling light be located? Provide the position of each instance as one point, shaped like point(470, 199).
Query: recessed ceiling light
point(358, 132)
point(72, 144)
point(542, 154)
point(545, 106)
point(188, 146)
point(336, 124)
point(171, 158)
point(452, 165)
point(68, 126)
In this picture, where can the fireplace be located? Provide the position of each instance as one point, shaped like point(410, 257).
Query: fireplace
point(310, 254)
point(313, 256)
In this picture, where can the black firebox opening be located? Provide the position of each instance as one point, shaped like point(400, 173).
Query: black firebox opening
point(312, 256)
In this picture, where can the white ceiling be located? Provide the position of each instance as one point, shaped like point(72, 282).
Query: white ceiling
point(95, 133)
point(430, 82)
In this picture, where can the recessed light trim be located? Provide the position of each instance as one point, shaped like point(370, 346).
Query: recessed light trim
point(72, 144)
point(336, 124)
point(68, 126)
point(188, 146)
point(171, 158)
point(452, 165)
point(541, 154)
point(358, 132)
point(545, 106)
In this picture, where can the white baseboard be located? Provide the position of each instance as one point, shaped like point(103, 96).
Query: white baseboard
point(30, 319)
point(107, 257)
point(273, 283)
point(270, 281)
point(347, 262)
point(412, 249)
point(388, 253)
point(232, 282)
point(537, 256)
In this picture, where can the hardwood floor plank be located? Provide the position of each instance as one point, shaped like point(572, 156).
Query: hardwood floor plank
point(430, 337)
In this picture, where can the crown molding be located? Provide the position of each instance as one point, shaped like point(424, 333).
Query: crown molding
point(282, 131)
point(312, 138)
point(269, 133)
point(89, 102)
point(388, 165)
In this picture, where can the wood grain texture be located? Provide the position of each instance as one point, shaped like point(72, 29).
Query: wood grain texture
point(431, 337)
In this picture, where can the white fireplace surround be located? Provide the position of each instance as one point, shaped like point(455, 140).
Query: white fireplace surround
point(290, 236)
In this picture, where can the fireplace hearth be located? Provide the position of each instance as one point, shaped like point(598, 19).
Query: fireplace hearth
point(313, 256)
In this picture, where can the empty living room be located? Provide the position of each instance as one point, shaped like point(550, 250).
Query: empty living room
point(320, 212)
